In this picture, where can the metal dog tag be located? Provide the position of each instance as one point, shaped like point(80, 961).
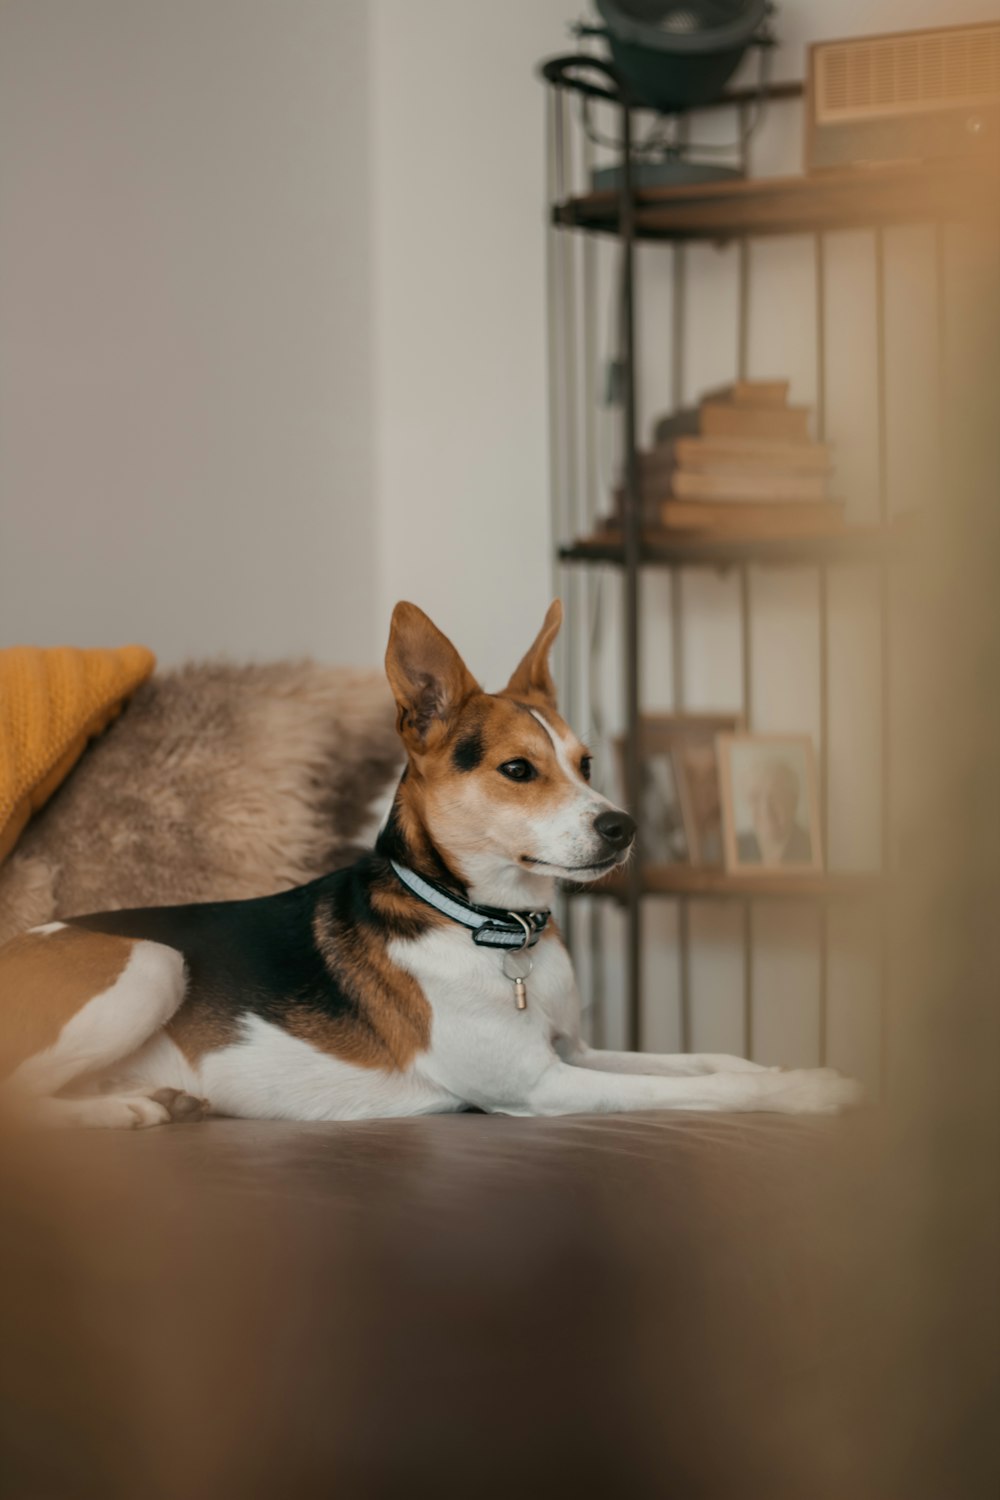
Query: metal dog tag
point(516, 967)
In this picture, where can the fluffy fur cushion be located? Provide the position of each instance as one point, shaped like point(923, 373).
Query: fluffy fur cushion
point(217, 783)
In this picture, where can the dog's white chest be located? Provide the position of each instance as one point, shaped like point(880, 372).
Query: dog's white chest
point(482, 1046)
point(452, 970)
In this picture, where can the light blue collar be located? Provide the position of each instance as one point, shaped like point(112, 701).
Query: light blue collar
point(491, 926)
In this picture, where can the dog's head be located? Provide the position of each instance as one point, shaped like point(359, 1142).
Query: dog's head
point(499, 781)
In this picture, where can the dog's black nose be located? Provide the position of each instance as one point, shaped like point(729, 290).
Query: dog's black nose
point(617, 828)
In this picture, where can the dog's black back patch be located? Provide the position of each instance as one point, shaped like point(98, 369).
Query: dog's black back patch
point(262, 955)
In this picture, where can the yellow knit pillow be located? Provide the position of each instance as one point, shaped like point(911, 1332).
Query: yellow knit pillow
point(51, 703)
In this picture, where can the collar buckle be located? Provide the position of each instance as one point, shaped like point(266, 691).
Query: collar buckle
point(527, 924)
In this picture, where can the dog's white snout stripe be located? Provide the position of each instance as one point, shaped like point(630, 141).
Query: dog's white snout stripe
point(572, 771)
point(558, 746)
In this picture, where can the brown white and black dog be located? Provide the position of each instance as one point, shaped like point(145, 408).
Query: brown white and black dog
point(424, 978)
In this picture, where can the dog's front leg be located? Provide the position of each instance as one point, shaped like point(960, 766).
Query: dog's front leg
point(661, 1064)
point(563, 1089)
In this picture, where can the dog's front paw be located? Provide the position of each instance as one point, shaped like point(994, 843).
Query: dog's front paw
point(811, 1091)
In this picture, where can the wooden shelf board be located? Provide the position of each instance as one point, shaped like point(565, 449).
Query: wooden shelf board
point(684, 880)
point(841, 199)
point(699, 549)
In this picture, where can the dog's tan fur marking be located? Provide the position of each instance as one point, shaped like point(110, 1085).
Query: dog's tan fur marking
point(508, 731)
point(198, 1028)
point(45, 979)
point(396, 905)
point(411, 810)
point(393, 1022)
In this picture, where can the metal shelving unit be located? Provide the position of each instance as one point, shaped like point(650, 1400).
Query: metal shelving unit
point(736, 210)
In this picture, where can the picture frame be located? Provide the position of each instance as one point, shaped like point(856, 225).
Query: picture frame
point(770, 804)
point(680, 809)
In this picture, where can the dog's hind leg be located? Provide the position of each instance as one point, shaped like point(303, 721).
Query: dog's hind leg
point(76, 1003)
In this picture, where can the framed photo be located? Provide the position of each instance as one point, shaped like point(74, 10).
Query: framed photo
point(693, 742)
point(659, 814)
point(770, 803)
point(680, 811)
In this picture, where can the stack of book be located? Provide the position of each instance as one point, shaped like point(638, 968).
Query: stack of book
point(743, 464)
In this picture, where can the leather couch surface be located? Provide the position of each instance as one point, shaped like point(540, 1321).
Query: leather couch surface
point(638, 1306)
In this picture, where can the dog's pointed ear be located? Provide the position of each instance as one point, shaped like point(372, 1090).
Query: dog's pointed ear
point(532, 675)
point(429, 679)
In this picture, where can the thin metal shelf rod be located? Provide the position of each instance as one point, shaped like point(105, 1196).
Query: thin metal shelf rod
point(743, 306)
point(677, 372)
point(880, 406)
point(683, 924)
point(677, 637)
point(884, 631)
point(561, 501)
point(747, 908)
point(824, 792)
point(746, 664)
point(945, 445)
point(678, 290)
point(633, 774)
point(820, 317)
point(746, 667)
point(743, 365)
point(592, 583)
point(683, 915)
point(552, 258)
point(823, 605)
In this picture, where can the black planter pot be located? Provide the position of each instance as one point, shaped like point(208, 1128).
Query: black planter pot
point(681, 65)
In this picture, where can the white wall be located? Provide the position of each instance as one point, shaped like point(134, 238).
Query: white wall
point(272, 316)
point(272, 323)
point(185, 326)
point(461, 392)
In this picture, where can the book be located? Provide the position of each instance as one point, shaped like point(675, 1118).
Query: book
point(745, 454)
point(746, 486)
point(658, 463)
point(720, 419)
point(818, 518)
point(677, 424)
point(650, 499)
point(751, 393)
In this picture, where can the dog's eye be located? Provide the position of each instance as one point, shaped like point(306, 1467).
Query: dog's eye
point(585, 765)
point(518, 770)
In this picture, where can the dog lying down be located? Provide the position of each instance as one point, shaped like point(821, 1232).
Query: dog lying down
point(426, 977)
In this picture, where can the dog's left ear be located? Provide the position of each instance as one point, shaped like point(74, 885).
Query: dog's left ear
point(532, 675)
point(429, 679)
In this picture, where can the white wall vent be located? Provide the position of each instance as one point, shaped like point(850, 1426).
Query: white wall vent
point(874, 77)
